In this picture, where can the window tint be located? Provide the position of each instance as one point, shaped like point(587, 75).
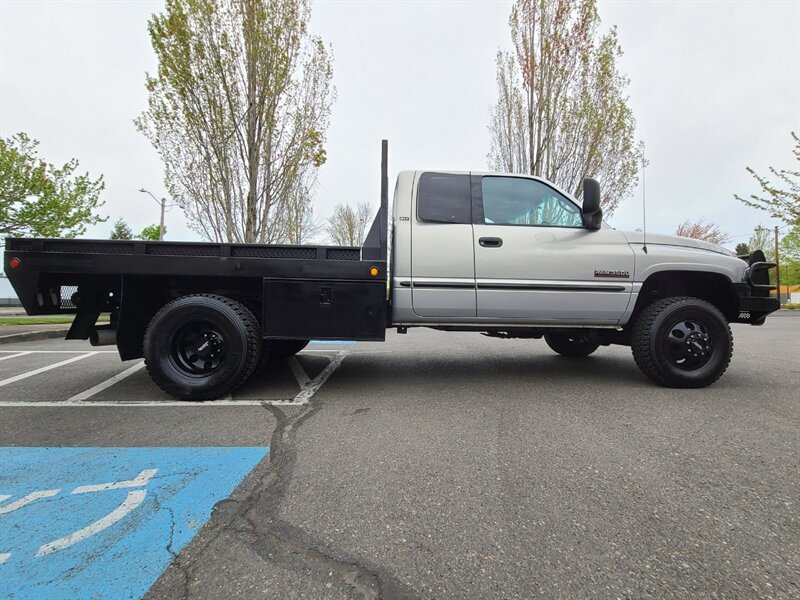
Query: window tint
point(444, 198)
point(517, 201)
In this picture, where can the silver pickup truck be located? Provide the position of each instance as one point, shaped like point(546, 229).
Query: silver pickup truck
point(509, 256)
point(515, 257)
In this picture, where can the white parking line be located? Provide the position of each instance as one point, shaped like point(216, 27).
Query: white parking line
point(312, 386)
point(22, 376)
point(303, 397)
point(58, 351)
point(297, 370)
point(144, 403)
point(16, 355)
point(106, 384)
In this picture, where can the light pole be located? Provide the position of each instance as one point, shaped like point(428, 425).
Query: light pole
point(777, 267)
point(163, 203)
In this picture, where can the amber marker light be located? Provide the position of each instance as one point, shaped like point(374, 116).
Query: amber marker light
point(14, 262)
point(374, 271)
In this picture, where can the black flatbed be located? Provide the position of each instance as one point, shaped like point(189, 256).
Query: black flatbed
point(296, 292)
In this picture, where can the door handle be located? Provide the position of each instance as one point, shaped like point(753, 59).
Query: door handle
point(490, 242)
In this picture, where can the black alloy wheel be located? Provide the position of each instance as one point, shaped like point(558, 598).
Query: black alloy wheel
point(687, 345)
point(198, 348)
point(682, 342)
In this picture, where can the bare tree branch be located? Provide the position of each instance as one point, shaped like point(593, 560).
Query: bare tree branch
point(708, 232)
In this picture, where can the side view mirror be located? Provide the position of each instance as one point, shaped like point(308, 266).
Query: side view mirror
point(591, 212)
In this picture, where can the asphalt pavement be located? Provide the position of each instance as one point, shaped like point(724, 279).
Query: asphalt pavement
point(450, 465)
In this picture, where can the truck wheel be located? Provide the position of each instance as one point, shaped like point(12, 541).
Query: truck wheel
point(571, 344)
point(682, 342)
point(283, 349)
point(202, 346)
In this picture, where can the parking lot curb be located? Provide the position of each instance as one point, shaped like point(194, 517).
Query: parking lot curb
point(29, 336)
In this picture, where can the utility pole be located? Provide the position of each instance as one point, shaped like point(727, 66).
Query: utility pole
point(161, 222)
point(777, 268)
point(163, 203)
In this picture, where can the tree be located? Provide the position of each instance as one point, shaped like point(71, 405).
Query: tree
point(40, 199)
point(781, 204)
point(238, 111)
point(151, 233)
point(561, 111)
point(708, 232)
point(789, 245)
point(347, 226)
point(762, 239)
point(742, 249)
point(301, 225)
point(121, 231)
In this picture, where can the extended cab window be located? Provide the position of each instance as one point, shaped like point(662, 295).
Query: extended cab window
point(444, 198)
point(517, 201)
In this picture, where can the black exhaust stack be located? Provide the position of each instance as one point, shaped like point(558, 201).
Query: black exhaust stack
point(375, 246)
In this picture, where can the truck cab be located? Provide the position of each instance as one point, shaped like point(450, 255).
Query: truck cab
point(501, 250)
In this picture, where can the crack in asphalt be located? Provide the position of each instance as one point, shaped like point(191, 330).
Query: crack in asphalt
point(252, 519)
point(176, 560)
point(266, 499)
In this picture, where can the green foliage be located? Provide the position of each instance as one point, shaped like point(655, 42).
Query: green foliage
point(562, 112)
point(742, 249)
point(780, 200)
point(789, 245)
point(790, 273)
point(151, 233)
point(789, 248)
point(121, 231)
point(238, 110)
point(40, 199)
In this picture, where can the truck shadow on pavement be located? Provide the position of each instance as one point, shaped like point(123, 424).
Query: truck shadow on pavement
point(477, 374)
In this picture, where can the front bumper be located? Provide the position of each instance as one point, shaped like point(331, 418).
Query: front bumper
point(754, 309)
point(755, 303)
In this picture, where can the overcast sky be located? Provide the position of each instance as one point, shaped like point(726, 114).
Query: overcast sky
point(715, 87)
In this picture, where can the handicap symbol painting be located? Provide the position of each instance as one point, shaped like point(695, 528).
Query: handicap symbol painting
point(105, 522)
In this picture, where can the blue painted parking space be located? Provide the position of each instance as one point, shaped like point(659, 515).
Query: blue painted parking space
point(105, 522)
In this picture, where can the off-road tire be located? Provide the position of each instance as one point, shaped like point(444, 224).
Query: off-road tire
point(571, 345)
point(659, 321)
point(282, 349)
point(231, 324)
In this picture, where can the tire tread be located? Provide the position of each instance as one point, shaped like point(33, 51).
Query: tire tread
point(252, 332)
